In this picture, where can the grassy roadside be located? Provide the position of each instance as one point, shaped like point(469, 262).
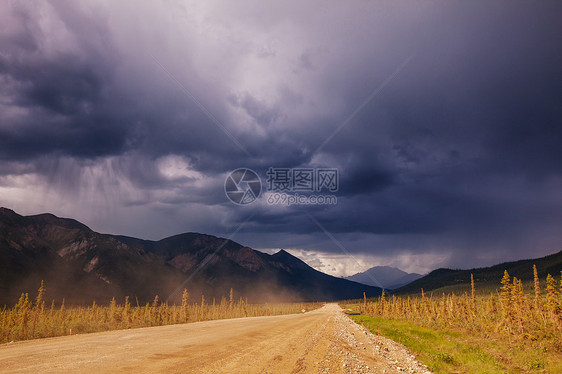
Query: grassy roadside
point(455, 351)
point(32, 319)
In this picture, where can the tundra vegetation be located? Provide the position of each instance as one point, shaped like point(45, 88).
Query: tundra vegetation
point(515, 328)
point(30, 319)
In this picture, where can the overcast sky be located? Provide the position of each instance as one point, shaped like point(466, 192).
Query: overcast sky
point(442, 118)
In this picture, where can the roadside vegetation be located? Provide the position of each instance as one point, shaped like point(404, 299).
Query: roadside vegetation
point(30, 319)
point(514, 329)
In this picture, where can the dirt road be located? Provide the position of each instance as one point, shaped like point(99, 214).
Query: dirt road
point(321, 341)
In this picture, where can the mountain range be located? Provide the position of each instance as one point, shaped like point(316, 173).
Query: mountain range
point(386, 277)
point(82, 265)
point(485, 278)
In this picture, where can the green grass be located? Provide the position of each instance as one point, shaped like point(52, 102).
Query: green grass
point(458, 352)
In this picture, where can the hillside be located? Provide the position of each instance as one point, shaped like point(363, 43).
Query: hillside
point(386, 277)
point(486, 277)
point(81, 265)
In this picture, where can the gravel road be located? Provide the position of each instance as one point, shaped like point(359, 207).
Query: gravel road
point(321, 341)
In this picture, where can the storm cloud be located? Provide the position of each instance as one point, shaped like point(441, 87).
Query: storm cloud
point(443, 120)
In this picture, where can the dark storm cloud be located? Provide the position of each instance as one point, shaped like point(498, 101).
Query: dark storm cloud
point(461, 147)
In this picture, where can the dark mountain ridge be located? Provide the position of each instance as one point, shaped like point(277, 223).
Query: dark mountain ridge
point(485, 277)
point(81, 265)
point(384, 276)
